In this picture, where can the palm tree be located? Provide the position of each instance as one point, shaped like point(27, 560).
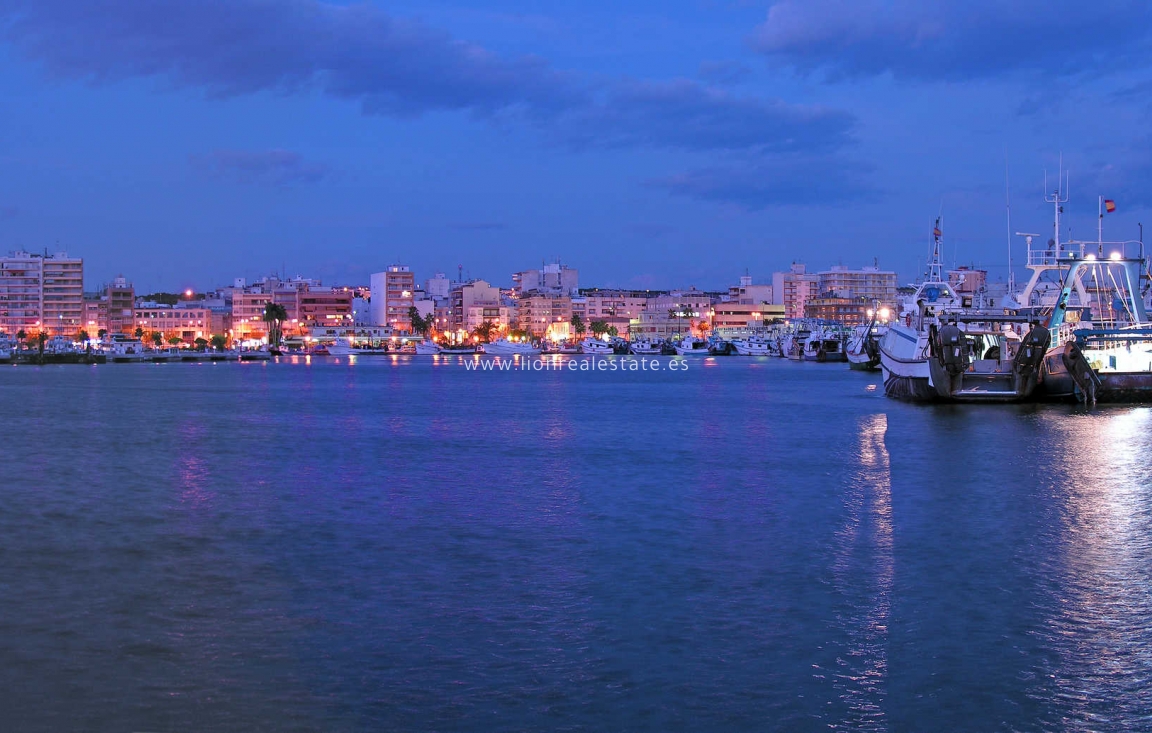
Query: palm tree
point(82, 335)
point(219, 342)
point(140, 333)
point(20, 336)
point(578, 324)
point(157, 338)
point(599, 328)
point(484, 331)
point(274, 316)
point(102, 333)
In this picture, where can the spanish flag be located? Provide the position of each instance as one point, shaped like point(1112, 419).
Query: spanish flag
point(1109, 205)
point(936, 232)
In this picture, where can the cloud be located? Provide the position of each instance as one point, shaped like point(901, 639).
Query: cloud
point(685, 114)
point(275, 167)
point(785, 181)
point(391, 66)
point(723, 72)
point(956, 40)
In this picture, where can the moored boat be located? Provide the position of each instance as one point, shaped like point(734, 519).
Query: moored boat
point(692, 346)
point(752, 346)
point(595, 346)
point(504, 347)
point(1108, 357)
point(943, 349)
point(646, 347)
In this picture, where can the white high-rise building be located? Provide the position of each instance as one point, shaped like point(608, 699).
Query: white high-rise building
point(41, 293)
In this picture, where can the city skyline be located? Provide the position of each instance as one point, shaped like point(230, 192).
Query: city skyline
point(664, 147)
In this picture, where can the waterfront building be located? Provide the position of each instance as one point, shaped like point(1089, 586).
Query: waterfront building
point(41, 293)
point(870, 283)
point(185, 322)
point(392, 295)
point(541, 315)
point(794, 288)
point(848, 311)
point(554, 279)
point(438, 286)
point(733, 318)
point(111, 310)
point(747, 293)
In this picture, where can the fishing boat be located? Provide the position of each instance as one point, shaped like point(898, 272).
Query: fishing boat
point(595, 346)
point(753, 346)
point(824, 344)
point(504, 347)
point(945, 349)
point(125, 350)
point(428, 348)
point(1101, 352)
point(863, 350)
point(692, 346)
point(646, 347)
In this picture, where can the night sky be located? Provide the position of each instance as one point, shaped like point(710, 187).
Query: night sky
point(187, 142)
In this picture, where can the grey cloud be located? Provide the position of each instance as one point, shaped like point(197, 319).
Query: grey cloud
point(956, 40)
point(786, 181)
point(723, 72)
point(391, 66)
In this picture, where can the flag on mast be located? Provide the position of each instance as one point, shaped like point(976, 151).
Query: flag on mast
point(1109, 205)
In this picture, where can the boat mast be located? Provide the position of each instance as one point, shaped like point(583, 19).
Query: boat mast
point(935, 267)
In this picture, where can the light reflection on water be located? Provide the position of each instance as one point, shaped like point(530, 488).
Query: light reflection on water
point(404, 545)
point(1103, 672)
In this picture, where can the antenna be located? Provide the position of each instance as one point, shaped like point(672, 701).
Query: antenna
point(1008, 211)
point(1057, 201)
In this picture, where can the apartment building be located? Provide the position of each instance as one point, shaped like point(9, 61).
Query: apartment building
point(41, 293)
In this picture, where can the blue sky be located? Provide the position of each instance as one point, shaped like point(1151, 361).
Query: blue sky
point(186, 142)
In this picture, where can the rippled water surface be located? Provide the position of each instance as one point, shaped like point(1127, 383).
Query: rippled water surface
point(398, 544)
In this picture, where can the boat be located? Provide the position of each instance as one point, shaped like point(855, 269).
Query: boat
point(349, 350)
point(1101, 352)
point(792, 342)
point(692, 346)
point(428, 348)
point(718, 346)
point(753, 346)
point(255, 355)
point(945, 349)
point(125, 350)
point(504, 347)
point(863, 350)
point(448, 350)
point(646, 347)
point(596, 346)
point(824, 344)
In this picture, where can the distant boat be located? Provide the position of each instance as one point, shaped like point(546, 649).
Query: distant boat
point(504, 347)
point(347, 350)
point(595, 346)
point(692, 346)
point(753, 346)
point(824, 344)
point(646, 347)
point(428, 348)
